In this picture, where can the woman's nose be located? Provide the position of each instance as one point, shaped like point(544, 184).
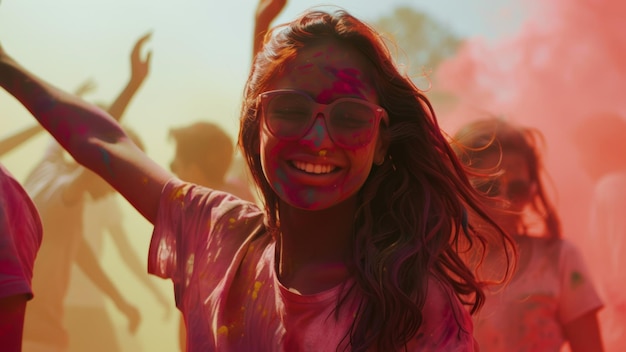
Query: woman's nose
point(318, 136)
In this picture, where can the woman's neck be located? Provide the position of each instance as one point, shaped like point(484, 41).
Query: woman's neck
point(314, 246)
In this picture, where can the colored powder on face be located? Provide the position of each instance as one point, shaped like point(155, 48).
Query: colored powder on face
point(318, 135)
point(347, 82)
point(304, 68)
point(281, 175)
point(279, 190)
point(310, 196)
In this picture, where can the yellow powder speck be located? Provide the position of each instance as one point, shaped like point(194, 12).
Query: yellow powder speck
point(223, 330)
point(257, 287)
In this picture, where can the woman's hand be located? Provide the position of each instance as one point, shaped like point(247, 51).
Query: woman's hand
point(140, 67)
point(132, 314)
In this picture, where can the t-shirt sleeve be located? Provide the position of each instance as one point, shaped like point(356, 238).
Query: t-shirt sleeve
point(578, 293)
point(191, 222)
point(20, 237)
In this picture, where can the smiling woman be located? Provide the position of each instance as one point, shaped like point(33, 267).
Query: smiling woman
point(359, 245)
point(348, 132)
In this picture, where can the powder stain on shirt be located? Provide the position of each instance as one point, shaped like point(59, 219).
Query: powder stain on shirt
point(222, 330)
point(576, 279)
point(257, 287)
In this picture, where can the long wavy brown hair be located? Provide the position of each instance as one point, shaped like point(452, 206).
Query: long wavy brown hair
point(411, 224)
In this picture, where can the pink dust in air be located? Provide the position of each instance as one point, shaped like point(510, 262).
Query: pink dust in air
point(567, 62)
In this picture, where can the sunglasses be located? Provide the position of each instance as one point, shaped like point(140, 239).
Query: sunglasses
point(290, 114)
point(514, 190)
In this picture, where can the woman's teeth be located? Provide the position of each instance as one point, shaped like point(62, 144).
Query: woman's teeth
point(313, 168)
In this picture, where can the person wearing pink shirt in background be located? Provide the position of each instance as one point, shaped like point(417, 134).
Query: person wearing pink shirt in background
point(20, 238)
point(551, 299)
point(361, 240)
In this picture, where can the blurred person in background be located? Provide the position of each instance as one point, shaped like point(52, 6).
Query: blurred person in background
point(58, 187)
point(600, 140)
point(551, 299)
point(204, 155)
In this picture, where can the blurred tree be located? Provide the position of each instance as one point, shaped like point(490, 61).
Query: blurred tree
point(423, 40)
point(421, 43)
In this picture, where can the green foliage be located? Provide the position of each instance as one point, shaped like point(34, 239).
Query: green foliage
point(422, 42)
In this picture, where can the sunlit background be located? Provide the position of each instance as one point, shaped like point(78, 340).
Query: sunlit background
point(530, 60)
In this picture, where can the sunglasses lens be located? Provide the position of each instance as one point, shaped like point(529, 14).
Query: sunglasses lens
point(288, 114)
point(352, 123)
point(518, 190)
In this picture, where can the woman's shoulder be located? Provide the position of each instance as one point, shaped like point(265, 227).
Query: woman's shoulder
point(192, 197)
point(204, 214)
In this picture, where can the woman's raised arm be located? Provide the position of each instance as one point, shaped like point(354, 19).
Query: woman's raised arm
point(90, 135)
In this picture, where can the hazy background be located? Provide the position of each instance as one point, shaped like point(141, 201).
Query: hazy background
point(545, 63)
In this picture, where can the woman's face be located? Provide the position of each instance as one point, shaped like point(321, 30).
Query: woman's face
point(313, 172)
point(514, 184)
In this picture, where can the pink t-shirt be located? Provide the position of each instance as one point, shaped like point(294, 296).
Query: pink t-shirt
point(20, 237)
point(217, 252)
point(552, 289)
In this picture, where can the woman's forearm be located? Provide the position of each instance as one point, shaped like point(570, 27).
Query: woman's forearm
point(78, 126)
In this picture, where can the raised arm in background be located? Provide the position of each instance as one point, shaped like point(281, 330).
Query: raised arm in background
point(90, 135)
point(138, 268)
point(266, 12)
point(88, 263)
point(139, 72)
point(13, 141)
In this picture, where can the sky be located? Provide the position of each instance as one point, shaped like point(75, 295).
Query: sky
point(201, 56)
point(201, 52)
